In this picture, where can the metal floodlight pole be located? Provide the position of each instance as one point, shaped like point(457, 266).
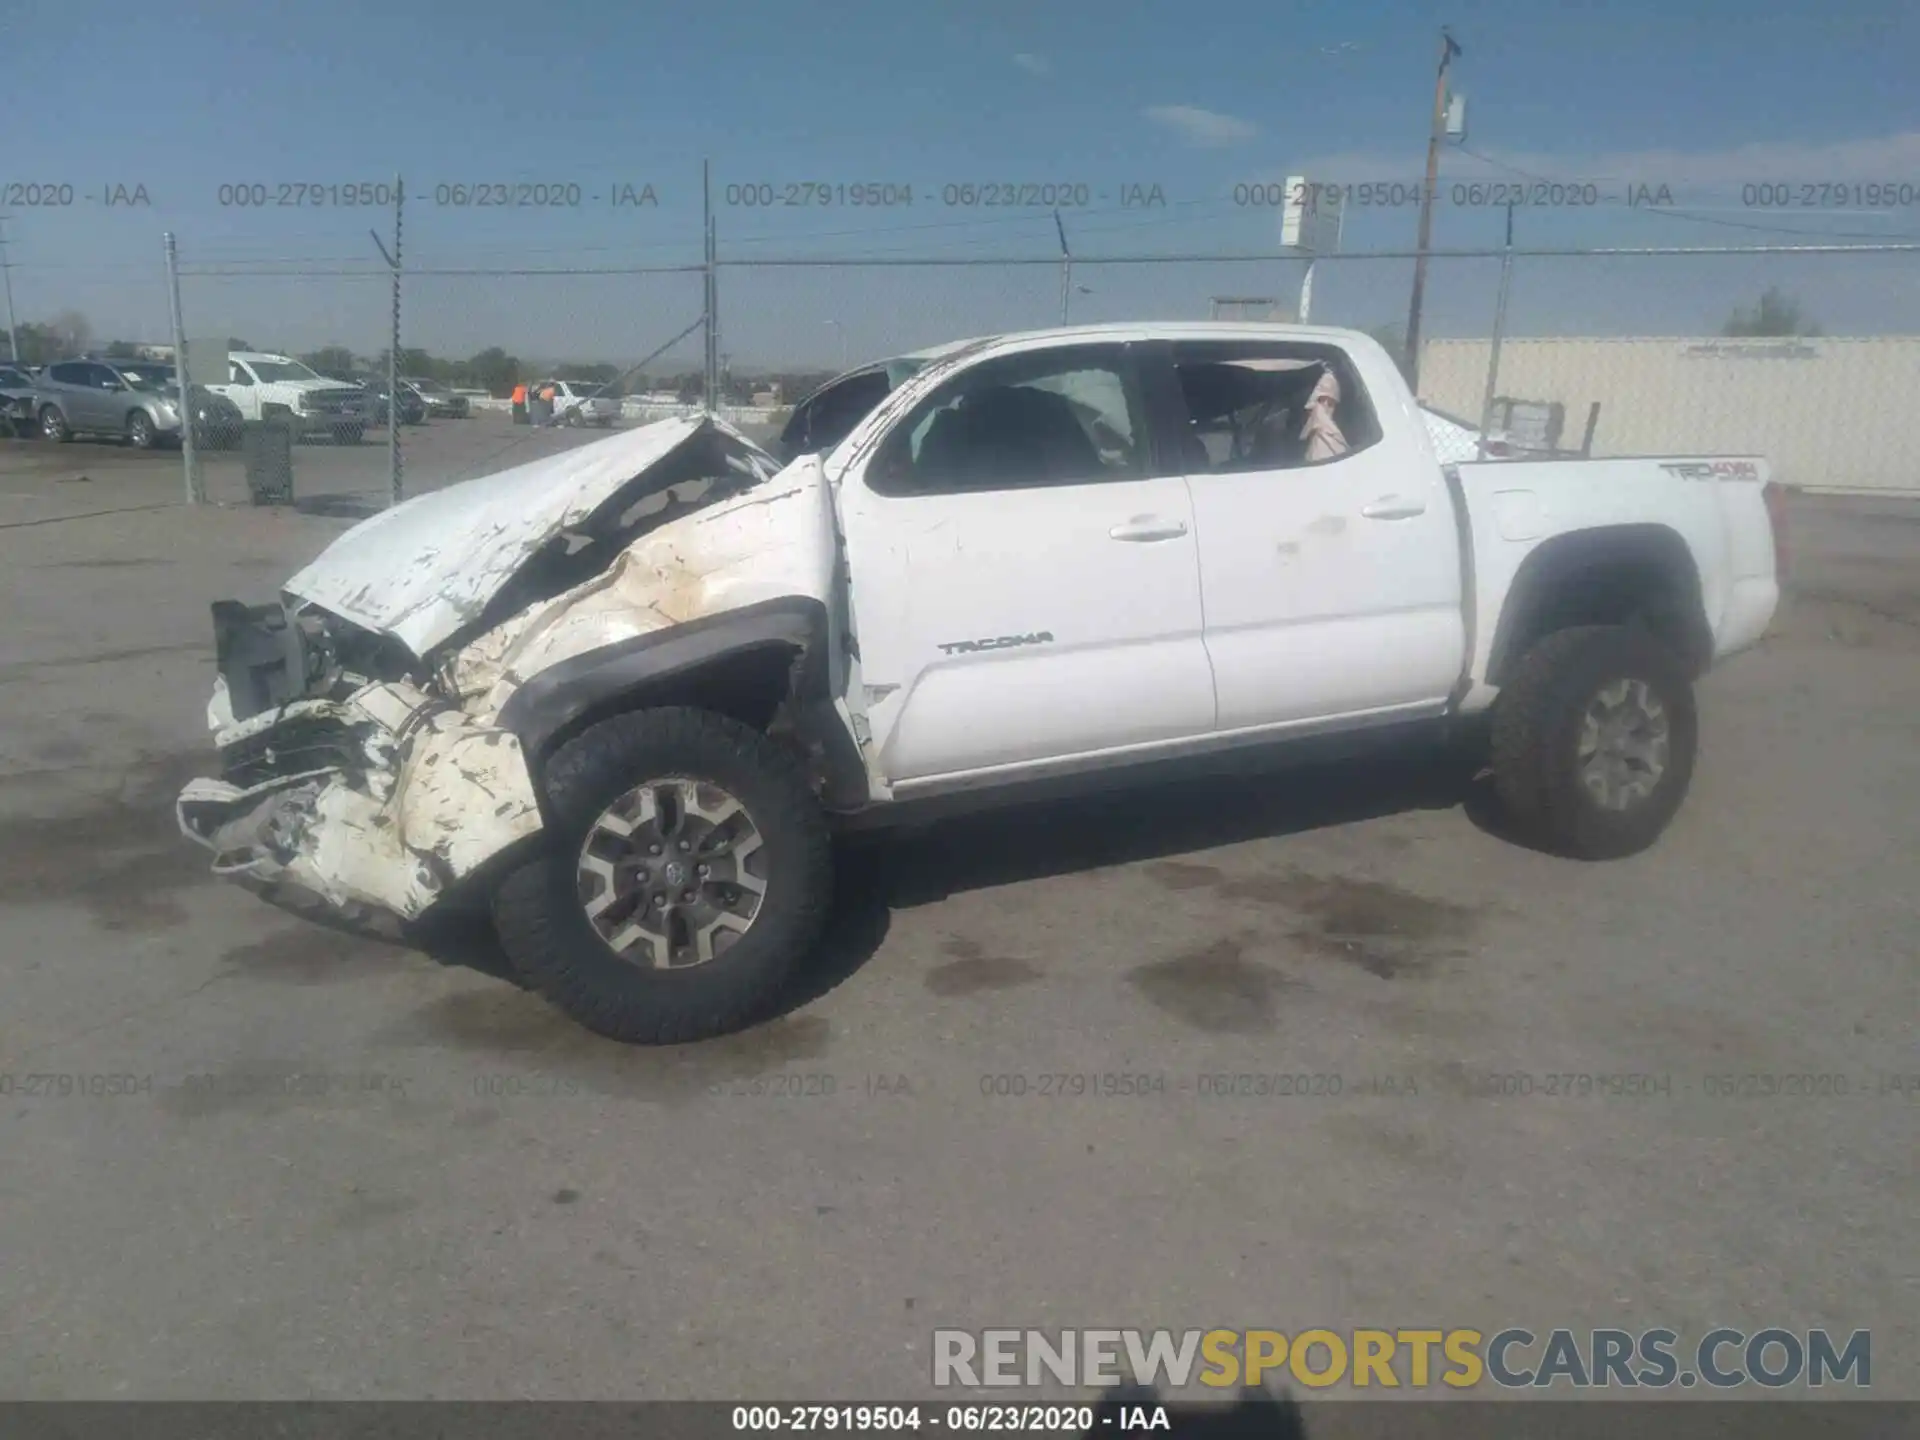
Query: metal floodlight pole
point(1448, 49)
point(1499, 333)
point(6, 274)
point(189, 457)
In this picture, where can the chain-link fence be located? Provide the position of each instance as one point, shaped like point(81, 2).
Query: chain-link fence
point(1602, 351)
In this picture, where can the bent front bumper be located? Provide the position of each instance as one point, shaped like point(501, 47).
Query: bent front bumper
point(387, 799)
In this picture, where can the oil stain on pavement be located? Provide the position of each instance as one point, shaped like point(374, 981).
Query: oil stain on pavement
point(1386, 931)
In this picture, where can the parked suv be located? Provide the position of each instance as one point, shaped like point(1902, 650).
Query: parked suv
point(439, 400)
point(131, 399)
point(269, 387)
point(413, 409)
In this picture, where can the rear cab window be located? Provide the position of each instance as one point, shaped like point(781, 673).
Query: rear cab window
point(830, 415)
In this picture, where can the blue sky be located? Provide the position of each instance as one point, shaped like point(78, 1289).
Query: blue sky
point(1707, 98)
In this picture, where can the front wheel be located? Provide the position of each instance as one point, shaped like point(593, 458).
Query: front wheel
point(688, 870)
point(1594, 740)
point(140, 432)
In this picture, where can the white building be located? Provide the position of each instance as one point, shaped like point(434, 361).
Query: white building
point(1835, 414)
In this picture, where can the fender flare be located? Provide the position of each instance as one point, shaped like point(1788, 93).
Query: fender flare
point(1556, 568)
point(653, 670)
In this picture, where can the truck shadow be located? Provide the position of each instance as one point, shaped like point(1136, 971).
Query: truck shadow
point(1176, 813)
point(943, 853)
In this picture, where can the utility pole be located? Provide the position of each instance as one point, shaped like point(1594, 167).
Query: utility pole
point(1448, 49)
point(6, 273)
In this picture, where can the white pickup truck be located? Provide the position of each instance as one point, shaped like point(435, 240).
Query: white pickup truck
point(625, 694)
point(267, 387)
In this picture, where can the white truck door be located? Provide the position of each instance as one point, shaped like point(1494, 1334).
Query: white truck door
point(1023, 579)
point(242, 389)
point(1332, 585)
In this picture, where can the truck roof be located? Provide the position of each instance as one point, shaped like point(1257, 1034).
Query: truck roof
point(1169, 329)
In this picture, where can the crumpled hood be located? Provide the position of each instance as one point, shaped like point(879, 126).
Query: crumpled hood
point(425, 569)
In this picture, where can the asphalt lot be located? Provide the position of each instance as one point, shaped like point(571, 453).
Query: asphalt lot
point(408, 1179)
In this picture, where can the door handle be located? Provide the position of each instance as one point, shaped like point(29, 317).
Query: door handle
point(1145, 528)
point(1394, 507)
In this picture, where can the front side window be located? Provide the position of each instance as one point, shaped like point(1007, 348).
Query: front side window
point(1068, 416)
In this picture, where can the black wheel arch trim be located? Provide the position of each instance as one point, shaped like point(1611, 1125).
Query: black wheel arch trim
point(1555, 569)
point(657, 669)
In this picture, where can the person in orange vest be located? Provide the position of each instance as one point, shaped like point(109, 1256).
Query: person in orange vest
point(547, 394)
point(520, 403)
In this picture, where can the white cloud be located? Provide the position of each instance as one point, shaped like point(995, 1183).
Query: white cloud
point(1892, 158)
point(1033, 64)
point(1202, 127)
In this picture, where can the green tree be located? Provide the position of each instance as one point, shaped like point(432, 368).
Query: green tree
point(330, 360)
point(122, 350)
point(1776, 314)
point(235, 343)
point(494, 370)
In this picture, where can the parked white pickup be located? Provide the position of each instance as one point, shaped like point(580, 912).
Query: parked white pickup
point(623, 692)
point(267, 387)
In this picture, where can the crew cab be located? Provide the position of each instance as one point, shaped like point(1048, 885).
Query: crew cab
point(278, 387)
point(625, 694)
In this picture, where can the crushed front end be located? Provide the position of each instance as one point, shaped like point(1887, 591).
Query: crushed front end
point(363, 761)
point(345, 776)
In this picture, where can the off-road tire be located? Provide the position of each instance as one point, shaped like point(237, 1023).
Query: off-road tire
point(545, 931)
point(1536, 728)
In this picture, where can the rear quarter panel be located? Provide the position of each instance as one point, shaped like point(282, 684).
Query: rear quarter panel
point(1714, 504)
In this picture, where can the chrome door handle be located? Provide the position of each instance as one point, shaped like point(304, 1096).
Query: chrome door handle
point(1147, 528)
point(1394, 507)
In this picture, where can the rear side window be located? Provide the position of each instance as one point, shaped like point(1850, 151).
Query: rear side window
point(67, 374)
point(1270, 405)
point(829, 417)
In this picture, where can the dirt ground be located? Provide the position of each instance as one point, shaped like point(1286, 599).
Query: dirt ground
point(321, 1167)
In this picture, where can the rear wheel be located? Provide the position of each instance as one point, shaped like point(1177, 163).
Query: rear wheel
point(53, 425)
point(1594, 740)
point(688, 871)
